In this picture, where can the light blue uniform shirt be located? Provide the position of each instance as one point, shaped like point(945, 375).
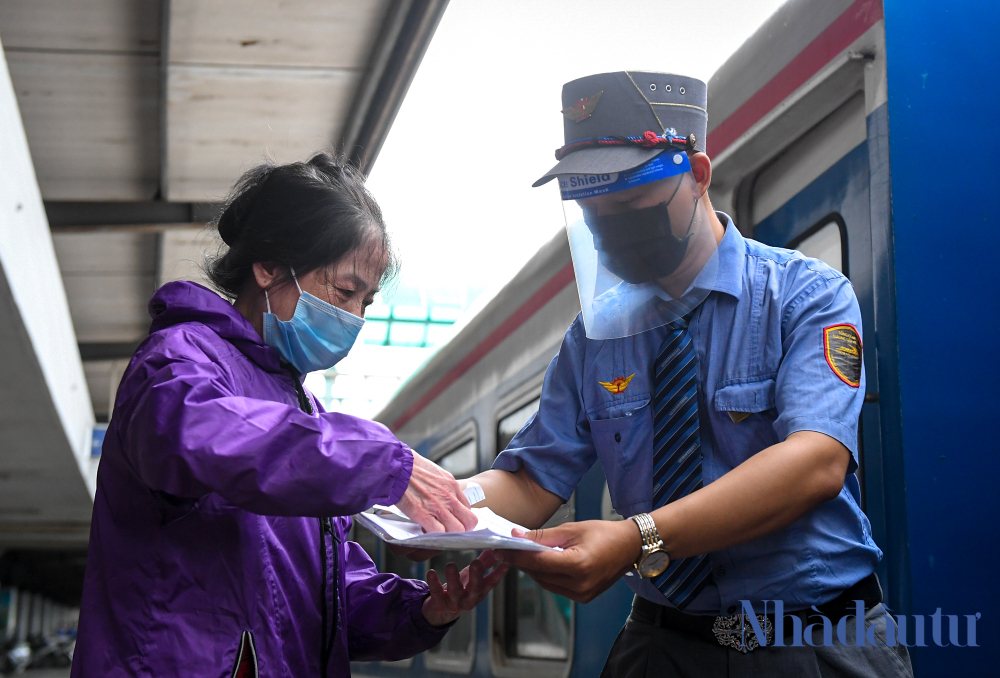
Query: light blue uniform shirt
point(759, 337)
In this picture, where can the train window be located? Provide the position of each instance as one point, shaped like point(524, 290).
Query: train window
point(532, 628)
point(536, 622)
point(461, 462)
point(514, 422)
point(825, 241)
point(457, 650)
point(806, 159)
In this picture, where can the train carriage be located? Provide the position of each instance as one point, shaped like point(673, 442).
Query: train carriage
point(799, 121)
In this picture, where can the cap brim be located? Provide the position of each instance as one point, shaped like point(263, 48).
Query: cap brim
point(600, 161)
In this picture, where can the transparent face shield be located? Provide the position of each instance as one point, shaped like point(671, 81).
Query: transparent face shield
point(643, 248)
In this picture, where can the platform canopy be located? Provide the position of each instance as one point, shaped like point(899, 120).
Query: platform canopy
point(135, 117)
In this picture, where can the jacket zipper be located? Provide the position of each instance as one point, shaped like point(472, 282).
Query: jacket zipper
point(325, 529)
point(328, 642)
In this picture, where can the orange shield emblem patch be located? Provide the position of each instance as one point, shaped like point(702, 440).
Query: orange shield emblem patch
point(618, 384)
point(842, 347)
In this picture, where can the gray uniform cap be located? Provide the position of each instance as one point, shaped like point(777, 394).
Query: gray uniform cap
point(627, 104)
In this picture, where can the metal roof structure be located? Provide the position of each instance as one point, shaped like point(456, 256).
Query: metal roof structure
point(125, 124)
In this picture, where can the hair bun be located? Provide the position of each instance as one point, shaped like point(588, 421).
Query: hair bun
point(229, 230)
point(240, 203)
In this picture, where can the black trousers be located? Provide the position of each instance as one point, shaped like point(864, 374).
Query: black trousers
point(643, 650)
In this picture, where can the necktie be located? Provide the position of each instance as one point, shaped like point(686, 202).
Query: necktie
point(677, 452)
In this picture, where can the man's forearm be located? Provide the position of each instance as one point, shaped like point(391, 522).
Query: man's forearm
point(769, 491)
point(517, 497)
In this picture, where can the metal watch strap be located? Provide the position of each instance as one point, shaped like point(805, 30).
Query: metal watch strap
point(647, 528)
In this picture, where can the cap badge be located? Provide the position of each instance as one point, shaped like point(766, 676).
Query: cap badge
point(618, 384)
point(583, 108)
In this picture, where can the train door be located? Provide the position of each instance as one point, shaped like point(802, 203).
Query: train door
point(531, 629)
point(456, 653)
point(814, 197)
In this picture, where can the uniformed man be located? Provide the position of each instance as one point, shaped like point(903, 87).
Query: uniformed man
point(719, 381)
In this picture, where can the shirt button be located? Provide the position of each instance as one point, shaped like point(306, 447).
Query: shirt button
point(731, 610)
point(618, 437)
point(720, 571)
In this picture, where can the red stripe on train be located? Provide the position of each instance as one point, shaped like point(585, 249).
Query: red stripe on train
point(844, 30)
point(545, 293)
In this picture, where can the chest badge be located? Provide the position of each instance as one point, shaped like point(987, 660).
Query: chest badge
point(618, 384)
point(842, 347)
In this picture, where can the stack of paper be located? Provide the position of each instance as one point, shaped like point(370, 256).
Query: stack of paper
point(492, 532)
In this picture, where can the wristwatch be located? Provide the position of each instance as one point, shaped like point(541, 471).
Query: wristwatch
point(654, 559)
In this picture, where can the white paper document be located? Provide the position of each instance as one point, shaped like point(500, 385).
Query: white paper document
point(492, 532)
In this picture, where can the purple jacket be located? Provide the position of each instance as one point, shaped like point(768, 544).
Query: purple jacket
point(207, 515)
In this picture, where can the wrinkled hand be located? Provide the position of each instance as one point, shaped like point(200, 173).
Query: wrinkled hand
point(463, 590)
point(596, 553)
point(434, 501)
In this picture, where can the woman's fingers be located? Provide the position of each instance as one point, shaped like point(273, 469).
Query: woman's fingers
point(473, 579)
point(434, 500)
point(455, 588)
point(495, 576)
point(460, 494)
point(456, 505)
point(463, 511)
point(464, 590)
point(428, 521)
point(488, 558)
point(480, 580)
point(434, 585)
point(450, 522)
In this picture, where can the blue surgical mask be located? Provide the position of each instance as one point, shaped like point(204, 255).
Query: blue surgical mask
point(317, 337)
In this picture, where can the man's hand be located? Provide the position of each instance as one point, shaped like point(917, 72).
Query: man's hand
point(434, 501)
point(596, 553)
point(463, 590)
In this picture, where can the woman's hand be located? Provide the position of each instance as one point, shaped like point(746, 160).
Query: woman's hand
point(464, 589)
point(434, 501)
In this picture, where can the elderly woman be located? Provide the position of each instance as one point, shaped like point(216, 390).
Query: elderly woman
point(219, 539)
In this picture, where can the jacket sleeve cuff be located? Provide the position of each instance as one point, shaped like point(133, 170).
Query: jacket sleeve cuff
point(433, 634)
point(402, 479)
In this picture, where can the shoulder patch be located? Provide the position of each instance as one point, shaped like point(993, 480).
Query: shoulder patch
point(842, 347)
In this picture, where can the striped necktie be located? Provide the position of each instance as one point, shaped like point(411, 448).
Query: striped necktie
point(677, 452)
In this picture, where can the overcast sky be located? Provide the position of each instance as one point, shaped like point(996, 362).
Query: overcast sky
point(482, 119)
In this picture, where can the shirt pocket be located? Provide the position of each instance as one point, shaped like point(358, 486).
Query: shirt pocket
point(756, 396)
point(625, 447)
point(743, 420)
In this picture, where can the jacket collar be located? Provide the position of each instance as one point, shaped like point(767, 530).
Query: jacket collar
point(182, 302)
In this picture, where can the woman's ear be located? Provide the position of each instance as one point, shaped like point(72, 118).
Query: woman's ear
point(265, 274)
point(701, 166)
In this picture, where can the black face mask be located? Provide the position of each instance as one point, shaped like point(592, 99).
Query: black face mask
point(640, 245)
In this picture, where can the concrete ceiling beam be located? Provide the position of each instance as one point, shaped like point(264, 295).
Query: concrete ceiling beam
point(45, 409)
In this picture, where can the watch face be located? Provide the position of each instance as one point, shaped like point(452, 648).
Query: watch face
point(654, 564)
